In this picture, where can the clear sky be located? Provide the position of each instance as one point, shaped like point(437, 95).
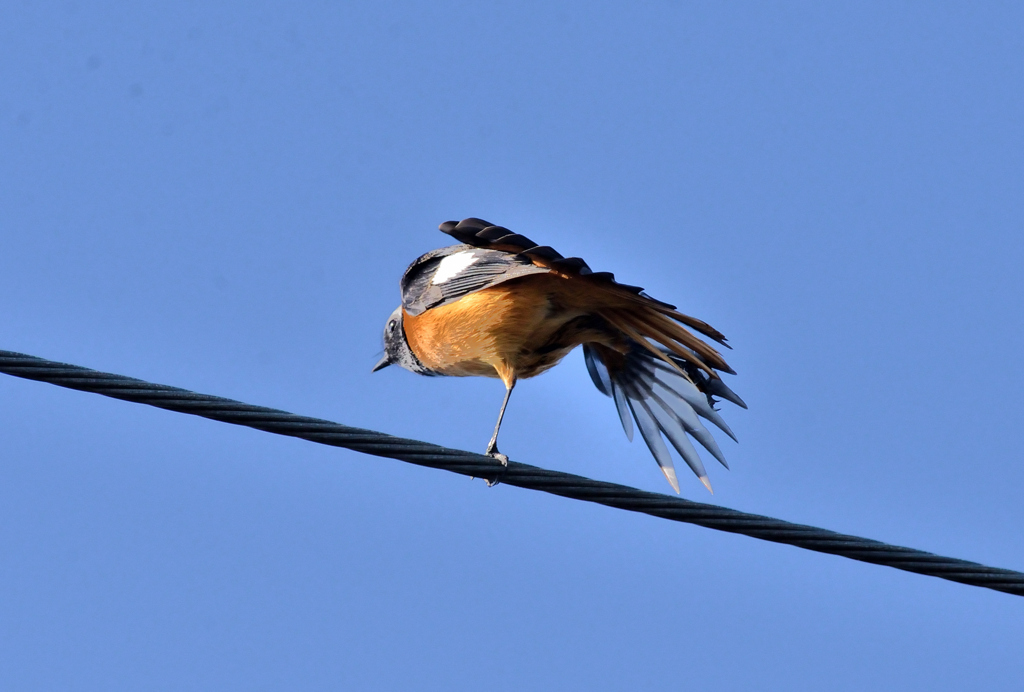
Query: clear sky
point(223, 196)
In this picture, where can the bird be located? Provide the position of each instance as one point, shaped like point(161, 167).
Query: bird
point(499, 305)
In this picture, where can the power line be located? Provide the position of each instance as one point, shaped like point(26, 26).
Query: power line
point(517, 474)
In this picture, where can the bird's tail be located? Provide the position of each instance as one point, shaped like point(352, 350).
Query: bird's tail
point(646, 321)
point(665, 393)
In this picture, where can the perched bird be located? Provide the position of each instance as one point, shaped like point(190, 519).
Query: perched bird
point(499, 305)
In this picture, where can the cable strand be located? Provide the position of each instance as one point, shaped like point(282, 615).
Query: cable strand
point(516, 474)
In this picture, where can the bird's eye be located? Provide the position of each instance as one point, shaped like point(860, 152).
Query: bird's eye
point(391, 326)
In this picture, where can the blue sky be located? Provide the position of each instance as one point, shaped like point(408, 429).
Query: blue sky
point(223, 197)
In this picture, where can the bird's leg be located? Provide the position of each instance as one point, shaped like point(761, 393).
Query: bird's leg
point(492, 446)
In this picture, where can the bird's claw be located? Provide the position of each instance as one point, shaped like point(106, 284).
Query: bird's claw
point(503, 458)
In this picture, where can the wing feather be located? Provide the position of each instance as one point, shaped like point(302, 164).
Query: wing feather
point(663, 400)
point(622, 407)
point(430, 282)
point(660, 375)
point(651, 433)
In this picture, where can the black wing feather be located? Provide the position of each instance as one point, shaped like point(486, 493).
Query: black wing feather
point(488, 268)
point(483, 234)
point(664, 401)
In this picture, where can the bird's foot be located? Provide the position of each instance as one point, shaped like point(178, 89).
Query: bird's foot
point(492, 451)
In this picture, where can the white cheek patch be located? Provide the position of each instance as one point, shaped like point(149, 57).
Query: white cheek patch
point(452, 265)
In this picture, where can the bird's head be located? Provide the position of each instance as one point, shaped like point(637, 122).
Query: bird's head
point(396, 348)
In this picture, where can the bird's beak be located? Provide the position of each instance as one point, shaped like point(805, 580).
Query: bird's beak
point(382, 363)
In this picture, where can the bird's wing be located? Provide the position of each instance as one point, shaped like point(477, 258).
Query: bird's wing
point(664, 378)
point(482, 234)
point(663, 400)
point(446, 275)
point(627, 308)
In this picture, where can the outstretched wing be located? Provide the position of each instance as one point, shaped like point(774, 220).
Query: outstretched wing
point(663, 400)
point(490, 255)
point(664, 377)
point(482, 234)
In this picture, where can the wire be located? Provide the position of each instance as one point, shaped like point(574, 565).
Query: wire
point(517, 474)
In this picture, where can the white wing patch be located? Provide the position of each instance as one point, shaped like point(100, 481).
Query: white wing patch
point(452, 265)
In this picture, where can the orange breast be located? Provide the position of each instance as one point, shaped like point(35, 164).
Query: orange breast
point(496, 332)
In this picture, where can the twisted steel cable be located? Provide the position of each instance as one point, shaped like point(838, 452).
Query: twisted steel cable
point(517, 474)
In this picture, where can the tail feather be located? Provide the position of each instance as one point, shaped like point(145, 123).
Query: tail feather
point(691, 422)
point(602, 380)
point(675, 431)
point(671, 335)
point(641, 299)
point(720, 389)
point(697, 399)
point(694, 323)
point(646, 325)
point(598, 372)
point(641, 331)
point(666, 396)
point(624, 326)
point(651, 432)
point(622, 406)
